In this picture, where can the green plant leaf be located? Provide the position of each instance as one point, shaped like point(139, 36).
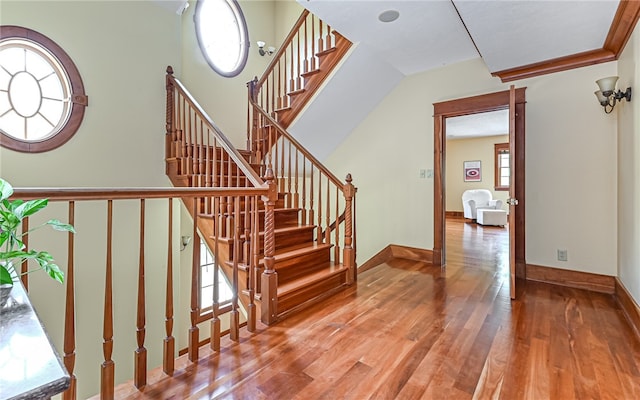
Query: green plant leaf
point(61, 226)
point(5, 276)
point(54, 272)
point(30, 207)
point(6, 190)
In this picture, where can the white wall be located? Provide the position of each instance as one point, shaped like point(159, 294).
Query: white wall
point(629, 169)
point(570, 164)
point(461, 150)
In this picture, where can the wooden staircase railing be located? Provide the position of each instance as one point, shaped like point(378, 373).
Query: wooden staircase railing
point(306, 58)
point(325, 200)
point(119, 200)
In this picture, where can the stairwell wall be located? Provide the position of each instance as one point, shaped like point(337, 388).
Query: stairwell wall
point(225, 99)
point(121, 50)
point(570, 164)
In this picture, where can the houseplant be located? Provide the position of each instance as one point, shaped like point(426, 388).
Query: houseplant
point(12, 249)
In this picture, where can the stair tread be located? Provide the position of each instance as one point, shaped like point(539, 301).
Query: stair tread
point(319, 275)
point(226, 239)
point(285, 255)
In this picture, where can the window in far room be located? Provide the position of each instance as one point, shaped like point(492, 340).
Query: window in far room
point(42, 97)
point(222, 35)
point(502, 171)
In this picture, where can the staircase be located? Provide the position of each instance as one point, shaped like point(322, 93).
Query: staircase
point(298, 245)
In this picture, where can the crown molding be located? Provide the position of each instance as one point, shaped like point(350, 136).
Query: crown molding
point(619, 33)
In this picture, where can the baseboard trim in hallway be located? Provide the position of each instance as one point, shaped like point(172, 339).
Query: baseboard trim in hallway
point(397, 251)
point(629, 307)
point(570, 278)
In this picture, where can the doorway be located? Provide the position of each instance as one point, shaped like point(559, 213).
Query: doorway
point(473, 105)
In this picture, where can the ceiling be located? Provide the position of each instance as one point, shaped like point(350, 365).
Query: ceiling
point(505, 34)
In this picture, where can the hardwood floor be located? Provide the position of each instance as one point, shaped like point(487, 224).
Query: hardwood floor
point(409, 330)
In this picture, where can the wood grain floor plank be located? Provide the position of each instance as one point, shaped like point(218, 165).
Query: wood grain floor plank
point(409, 330)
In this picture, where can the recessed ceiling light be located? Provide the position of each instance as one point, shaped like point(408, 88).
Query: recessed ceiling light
point(389, 16)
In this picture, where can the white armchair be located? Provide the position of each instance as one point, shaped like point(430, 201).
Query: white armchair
point(475, 199)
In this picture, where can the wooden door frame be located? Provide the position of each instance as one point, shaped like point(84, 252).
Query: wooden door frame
point(474, 105)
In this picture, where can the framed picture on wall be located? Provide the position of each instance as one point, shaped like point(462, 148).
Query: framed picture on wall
point(472, 171)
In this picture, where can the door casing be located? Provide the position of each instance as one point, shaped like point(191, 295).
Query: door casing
point(474, 105)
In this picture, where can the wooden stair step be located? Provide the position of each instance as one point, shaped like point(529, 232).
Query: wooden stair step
point(287, 239)
point(311, 288)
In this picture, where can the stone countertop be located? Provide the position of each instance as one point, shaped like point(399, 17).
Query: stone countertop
point(30, 367)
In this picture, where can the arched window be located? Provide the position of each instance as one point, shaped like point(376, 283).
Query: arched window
point(42, 97)
point(222, 35)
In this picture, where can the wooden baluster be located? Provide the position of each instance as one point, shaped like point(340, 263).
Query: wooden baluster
point(185, 139)
point(280, 103)
point(269, 285)
point(292, 82)
point(321, 47)
point(281, 175)
point(215, 320)
point(306, 47)
point(336, 248)
point(169, 346)
point(311, 217)
point(202, 159)
point(304, 190)
point(328, 39)
point(24, 268)
point(246, 246)
point(214, 164)
point(296, 195)
point(271, 85)
point(70, 313)
point(207, 160)
point(193, 128)
point(194, 331)
point(298, 57)
point(313, 43)
point(234, 324)
point(289, 202)
point(140, 354)
point(327, 231)
point(256, 249)
point(319, 227)
point(250, 213)
point(107, 375)
point(349, 258)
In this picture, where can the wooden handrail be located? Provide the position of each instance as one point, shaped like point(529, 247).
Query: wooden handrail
point(105, 193)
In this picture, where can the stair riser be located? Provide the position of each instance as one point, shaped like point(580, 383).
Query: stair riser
point(295, 267)
point(284, 240)
point(307, 293)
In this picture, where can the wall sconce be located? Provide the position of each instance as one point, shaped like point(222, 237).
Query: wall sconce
point(184, 241)
point(607, 95)
point(269, 51)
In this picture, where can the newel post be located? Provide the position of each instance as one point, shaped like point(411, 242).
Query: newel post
point(349, 254)
point(269, 278)
point(170, 132)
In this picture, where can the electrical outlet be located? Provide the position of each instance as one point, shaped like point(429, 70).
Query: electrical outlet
point(429, 173)
point(562, 255)
point(423, 173)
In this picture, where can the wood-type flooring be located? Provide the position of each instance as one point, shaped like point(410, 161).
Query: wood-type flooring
point(408, 330)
